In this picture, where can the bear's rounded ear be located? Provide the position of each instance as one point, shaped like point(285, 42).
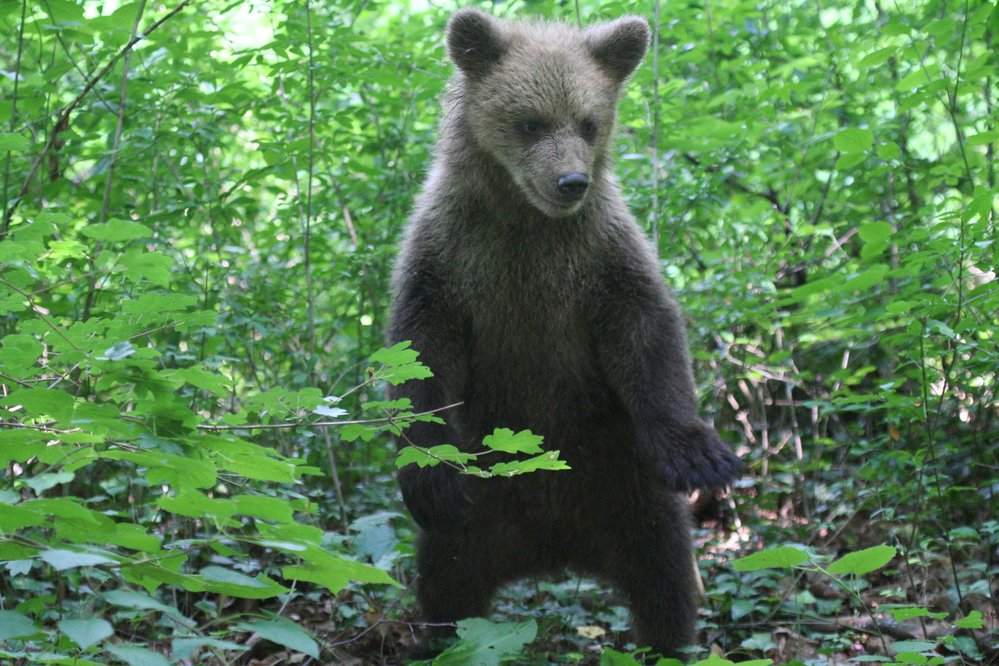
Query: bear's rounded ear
point(475, 41)
point(620, 45)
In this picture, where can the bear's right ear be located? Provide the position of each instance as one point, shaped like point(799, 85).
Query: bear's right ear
point(475, 41)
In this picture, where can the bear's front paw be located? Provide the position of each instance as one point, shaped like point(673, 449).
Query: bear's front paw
point(693, 456)
point(437, 497)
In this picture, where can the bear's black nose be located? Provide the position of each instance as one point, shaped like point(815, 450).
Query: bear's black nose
point(573, 185)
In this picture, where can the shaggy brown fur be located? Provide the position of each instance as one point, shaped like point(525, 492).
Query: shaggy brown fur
point(532, 295)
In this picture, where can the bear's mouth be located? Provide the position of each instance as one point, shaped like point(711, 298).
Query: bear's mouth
point(560, 205)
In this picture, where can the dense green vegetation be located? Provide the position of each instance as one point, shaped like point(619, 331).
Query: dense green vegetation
point(200, 207)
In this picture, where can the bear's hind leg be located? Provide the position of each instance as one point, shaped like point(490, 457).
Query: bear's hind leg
point(453, 583)
point(658, 578)
point(647, 554)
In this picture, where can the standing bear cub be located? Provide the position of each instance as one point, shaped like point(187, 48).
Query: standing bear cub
point(531, 293)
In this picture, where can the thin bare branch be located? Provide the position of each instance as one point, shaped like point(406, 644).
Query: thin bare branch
point(321, 424)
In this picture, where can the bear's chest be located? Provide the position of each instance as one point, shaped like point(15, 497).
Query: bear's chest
point(525, 296)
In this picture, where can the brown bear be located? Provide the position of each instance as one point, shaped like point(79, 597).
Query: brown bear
point(536, 301)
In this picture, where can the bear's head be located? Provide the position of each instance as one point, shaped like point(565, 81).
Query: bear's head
point(541, 98)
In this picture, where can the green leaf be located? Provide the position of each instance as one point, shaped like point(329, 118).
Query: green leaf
point(913, 646)
point(781, 557)
point(888, 151)
point(195, 504)
point(983, 138)
point(759, 642)
point(854, 140)
point(70, 508)
point(358, 431)
point(133, 655)
point(863, 561)
point(398, 354)
point(432, 456)
point(115, 230)
point(611, 657)
point(152, 303)
point(875, 231)
point(60, 250)
point(333, 571)
point(901, 614)
point(42, 402)
point(876, 58)
point(61, 559)
point(913, 79)
point(141, 601)
point(266, 508)
point(86, 632)
point(152, 266)
point(15, 625)
point(486, 643)
point(250, 460)
point(283, 632)
point(18, 353)
point(14, 143)
point(15, 517)
point(504, 439)
point(117, 352)
point(177, 471)
point(400, 364)
point(183, 649)
point(850, 160)
point(233, 583)
point(868, 278)
point(546, 461)
point(330, 412)
point(972, 621)
point(203, 379)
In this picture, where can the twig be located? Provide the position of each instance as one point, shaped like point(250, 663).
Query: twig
point(41, 428)
point(770, 195)
point(38, 311)
point(337, 485)
point(13, 114)
point(319, 424)
point(379, 621)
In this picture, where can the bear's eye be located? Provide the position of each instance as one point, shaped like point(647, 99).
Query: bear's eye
point(531, 127)
point(589, 128)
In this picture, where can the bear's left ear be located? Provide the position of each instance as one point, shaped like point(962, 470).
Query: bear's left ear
point(620, 45)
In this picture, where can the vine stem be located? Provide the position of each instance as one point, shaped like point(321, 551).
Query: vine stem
point(949, 101)
point(120, 124)
point(119, 128)
point(63, 119)
point(310, 296)
point(655, 127)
